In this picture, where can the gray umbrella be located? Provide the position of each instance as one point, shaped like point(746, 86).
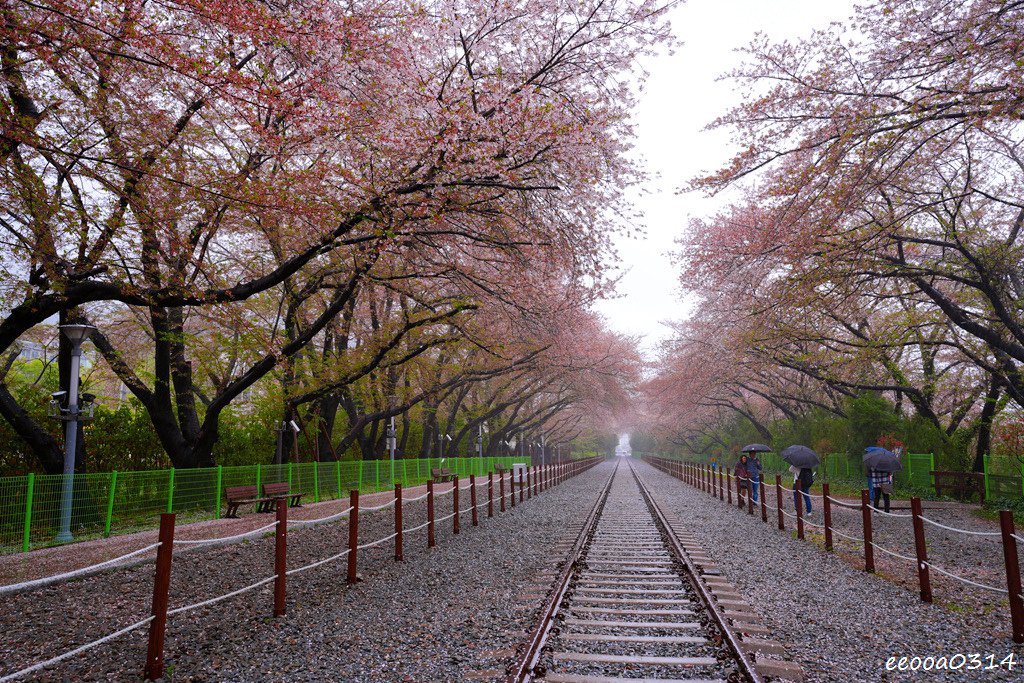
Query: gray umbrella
point(800, 456)
point(878, 458)
point(756, 448)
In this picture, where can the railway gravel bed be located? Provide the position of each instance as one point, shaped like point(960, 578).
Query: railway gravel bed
point(839, 622)
point(443, 615)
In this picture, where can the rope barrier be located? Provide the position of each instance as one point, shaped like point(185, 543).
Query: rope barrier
point(227, 539)
point(889, 552)
point(318, 520)
point(332, 558)
point(967, 581)
point(438, 494)
point(67, 576)
point(369, 508)
point(852, 538)
point(377, 542)
point(958, 530)
point(892, 514)
point(441, 519)
point(213, 601)
point(77, 650)
point(413, 500)
point(843, 503)
point(463, 488)
point(417, 528)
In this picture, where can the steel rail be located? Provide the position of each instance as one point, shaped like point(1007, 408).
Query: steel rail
point(677, 549)
point(523, 670)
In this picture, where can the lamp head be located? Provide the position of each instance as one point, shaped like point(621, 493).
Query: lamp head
point(77, 333)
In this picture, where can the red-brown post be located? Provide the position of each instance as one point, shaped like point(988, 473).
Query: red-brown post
point(1012, 575)
point(826, 506)
point(528, 468)
point(353, 536)
point(455, 504)
point(161, 590)
point(521, 484)
point(512, 487)
point(728, 484)
point(764, 503)
point(501, 491)
point(472, 498)
point(721, 485)
point(398, 523)
point(869, 548)
point(490, 494)
point(430, 513)
point(739, 487)
point(280, 556)
point(798, 500)
point(750, 496)
point(921, 549)
point(778, 502)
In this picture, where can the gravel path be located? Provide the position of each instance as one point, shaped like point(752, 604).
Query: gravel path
point(841, 623)
point(440, 615)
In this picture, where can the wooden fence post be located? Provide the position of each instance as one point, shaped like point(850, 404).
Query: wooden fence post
point(353, 535)
point(764, 503)
point(472, 497)
point(778, 502)
point(280, 556)
point(501, 491)
point(430, 513)
point(869, 548)
point(826, 506)
point(923, 577)
point(1012, 575)
point(490, 494)
point(455, 504)
point(161, 590)
point(398, 523)
point(798, 500)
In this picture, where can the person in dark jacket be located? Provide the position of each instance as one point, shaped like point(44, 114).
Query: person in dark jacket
point(742, 473)
point(803, 477)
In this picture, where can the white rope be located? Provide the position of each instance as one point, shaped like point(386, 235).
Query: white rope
point(211, 601)
point(1018, 538)
point(889, 552)
point(377, 542)
point(67, 576)
point(77, 650)
point(444, 493)
point(961, 531)
point(967, 581)
point(318, 520)
point(332, 558)
point(889, 514)
point(843, 503)
point(852, 538)
point(463, 488)
point(413, 500)
point(227, 539)
point(378, 507)
point(417, 528)
point(441, 519)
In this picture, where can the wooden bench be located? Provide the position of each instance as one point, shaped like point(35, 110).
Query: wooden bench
point(441, 474)
point(242, 495)
point(271, 492)
point(960, 485)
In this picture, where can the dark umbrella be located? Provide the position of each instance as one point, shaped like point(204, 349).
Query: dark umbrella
point(800, 456)
point(878, 458)
point(756, 448)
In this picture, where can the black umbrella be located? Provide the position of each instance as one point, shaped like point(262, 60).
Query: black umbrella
point(800, 456)
point(878, 458)
point(756, 448)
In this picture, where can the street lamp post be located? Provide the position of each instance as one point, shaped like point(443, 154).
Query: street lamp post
point(542, 453)
point(76, 334)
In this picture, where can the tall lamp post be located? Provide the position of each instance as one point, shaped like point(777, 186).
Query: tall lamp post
point(481, 430)
point(76, 334)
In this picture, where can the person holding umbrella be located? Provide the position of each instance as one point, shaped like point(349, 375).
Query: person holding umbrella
point(742, 473)
point(881, 463)
point(754, 466)
point(801, 460)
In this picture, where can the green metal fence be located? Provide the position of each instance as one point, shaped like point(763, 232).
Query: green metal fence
point(122, 502)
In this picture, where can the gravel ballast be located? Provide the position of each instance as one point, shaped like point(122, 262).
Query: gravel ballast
point(838, 622)
point(452, 613)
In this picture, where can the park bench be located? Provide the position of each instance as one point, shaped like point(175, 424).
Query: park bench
point(271, 492)
point(242, 495)
point(441, 474)
point(960, 485)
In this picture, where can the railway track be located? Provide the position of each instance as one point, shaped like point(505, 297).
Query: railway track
point(629, 605)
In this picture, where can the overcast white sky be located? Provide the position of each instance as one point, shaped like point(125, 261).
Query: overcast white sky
point(680, 98)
